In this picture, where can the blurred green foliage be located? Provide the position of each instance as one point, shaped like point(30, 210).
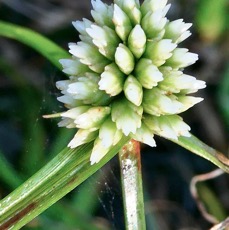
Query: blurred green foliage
point(223, 96)
point(212, 19)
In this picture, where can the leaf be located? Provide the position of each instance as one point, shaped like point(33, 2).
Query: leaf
point(196, 146)
point(35, 40)
point(8, 174)
point(65, 172)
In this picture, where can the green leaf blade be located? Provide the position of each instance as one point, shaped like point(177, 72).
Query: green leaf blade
point(41, 44)
point(196, 146)
point(66, 171)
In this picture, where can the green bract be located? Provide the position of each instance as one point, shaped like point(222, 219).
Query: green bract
point(126, 76)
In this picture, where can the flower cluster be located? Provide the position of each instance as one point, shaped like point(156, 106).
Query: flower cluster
point(126, 76)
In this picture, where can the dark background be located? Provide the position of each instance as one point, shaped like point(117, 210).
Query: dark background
point(27, 141)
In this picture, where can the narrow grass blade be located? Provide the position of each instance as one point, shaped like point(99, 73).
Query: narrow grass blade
point(196, 146)
point(8, 174)
point(35, 40)
point(66, 171)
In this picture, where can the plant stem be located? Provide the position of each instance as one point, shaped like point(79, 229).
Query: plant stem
point(131, 176)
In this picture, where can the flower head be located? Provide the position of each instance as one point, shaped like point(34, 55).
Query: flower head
point(126, 76)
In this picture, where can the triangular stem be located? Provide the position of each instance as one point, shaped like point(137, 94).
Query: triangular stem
point(131, 177)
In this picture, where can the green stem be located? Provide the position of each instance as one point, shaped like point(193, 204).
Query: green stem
point(66, 171)
point(131, 176)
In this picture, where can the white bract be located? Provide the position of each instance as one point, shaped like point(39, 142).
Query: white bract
point(126, 76)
